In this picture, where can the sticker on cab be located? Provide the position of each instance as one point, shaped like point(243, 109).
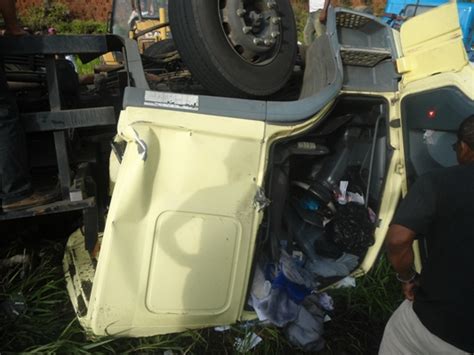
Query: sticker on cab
point(169, 100)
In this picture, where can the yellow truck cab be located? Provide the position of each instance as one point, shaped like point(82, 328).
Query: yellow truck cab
point(208, 185)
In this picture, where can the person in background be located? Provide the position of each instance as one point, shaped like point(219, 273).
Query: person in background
point(316, 24)
point(437, 316)
point(8, 11)
point(69, 57)
point(16, 191)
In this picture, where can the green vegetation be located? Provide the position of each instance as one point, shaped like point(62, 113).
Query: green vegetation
point(47, 324)
point(82, 27)
point(361, 312)
point(300, 8)
point(40, 18)
point(57, 15)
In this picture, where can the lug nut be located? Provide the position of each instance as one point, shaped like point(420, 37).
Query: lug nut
point(258, 41)
point(275, 34)
point(269, 42)
point(241, 12)
point(246, 29)
point(276, 20)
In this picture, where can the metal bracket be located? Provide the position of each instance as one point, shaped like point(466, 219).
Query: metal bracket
point(261, 201)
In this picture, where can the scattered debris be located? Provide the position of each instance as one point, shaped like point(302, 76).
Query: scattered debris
point(14, 260)
point(23, 260)
point(222, 328)
point(250, 341)
point(284, 295)
point(325, 301)
point(307, 329)
point(328, 267)
point(348, 281)
point(14, 306)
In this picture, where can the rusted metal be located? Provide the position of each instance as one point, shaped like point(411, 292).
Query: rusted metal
point(52, 208)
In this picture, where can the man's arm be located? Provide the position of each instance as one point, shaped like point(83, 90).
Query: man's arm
point(415, 216)
point(399, 244)
point(8, 11)
point(324, 14)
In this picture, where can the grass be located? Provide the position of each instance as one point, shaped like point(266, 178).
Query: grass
point(361, 312)
point(48, 324)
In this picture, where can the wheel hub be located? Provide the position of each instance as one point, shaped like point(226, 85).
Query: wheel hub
point(252, 28)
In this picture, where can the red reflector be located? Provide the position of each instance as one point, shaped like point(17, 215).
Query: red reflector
point(431, 114)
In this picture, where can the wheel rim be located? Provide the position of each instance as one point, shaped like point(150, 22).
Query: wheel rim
point(252, 28)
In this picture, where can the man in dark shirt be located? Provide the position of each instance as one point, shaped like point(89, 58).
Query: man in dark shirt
point(437, 316)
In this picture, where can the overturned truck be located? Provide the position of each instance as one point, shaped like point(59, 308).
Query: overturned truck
point(208, 190)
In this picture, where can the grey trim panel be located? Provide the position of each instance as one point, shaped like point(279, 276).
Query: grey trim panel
point(271, 111)
point(285, 112)
point(209, 105)
point(381, 78)
point(134, 64)
point(316, 92)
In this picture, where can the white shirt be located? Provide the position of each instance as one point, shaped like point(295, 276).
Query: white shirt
point(315, 5)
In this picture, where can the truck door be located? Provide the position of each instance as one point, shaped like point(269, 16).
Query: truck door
point(180, 232)
point(437, 92)
point(431, 44)
point(437, 87)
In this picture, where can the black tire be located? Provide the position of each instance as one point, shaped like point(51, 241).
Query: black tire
point(158, 49)
point(214, 61)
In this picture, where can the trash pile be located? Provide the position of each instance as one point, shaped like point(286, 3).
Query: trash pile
point(328, 230)
point(281, 295)
point(13, 305)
